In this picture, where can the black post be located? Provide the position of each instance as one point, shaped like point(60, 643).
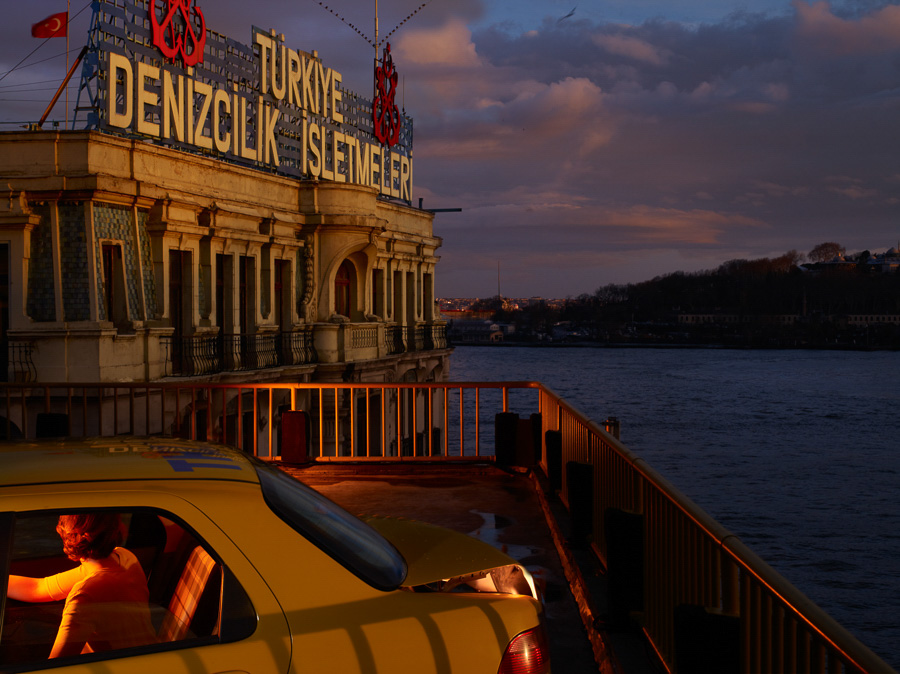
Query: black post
point(554, 459)
point(506, 425)
point(625, 564)
point(706, 642)
point(295, 436)
point(580, 485)
point(536, 424)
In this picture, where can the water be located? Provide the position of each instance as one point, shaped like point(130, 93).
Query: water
point(796, 452)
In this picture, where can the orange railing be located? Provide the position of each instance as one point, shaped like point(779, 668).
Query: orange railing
point(671, 568)
point(699, 585)
point(344, 421)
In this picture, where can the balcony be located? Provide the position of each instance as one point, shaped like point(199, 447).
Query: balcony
point(356, 342)
point(16, 364)
point(202, 355)
point(424, 337)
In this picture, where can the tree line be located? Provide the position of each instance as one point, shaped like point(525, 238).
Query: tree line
point(750, 296)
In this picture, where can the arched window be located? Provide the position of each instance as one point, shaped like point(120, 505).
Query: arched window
point(342, 289)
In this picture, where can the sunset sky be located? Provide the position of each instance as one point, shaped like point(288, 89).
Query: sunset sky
point(599, 142)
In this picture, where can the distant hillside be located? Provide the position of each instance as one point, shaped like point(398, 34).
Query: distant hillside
point(834, 300)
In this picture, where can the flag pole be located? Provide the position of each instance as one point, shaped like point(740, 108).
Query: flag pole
point(63, 86)
point(68, 3)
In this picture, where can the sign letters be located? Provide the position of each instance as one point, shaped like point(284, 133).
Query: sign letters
point(266, 105)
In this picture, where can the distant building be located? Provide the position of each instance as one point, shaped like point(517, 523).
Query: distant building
point(708, 319)
point(734, 319)
point(471, 331)
point(887, 262)
point(873, 319)
point(466, 315)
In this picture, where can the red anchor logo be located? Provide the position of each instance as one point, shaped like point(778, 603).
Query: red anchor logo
point(172, 39)
point(384, 111)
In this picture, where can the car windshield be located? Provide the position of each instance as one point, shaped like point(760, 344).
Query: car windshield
point(346, 538)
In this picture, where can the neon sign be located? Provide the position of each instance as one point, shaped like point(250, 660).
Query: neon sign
point(384, 110)
point(171, 37)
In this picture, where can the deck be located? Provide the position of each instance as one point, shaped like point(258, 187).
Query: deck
point(510, 511)
point(434, 451)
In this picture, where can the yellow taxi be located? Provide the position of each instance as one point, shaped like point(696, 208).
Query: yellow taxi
point(249, 570)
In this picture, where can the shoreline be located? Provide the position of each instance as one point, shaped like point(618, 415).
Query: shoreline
point(662, 345)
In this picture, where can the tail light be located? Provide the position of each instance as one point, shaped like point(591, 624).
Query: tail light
point(528, 653)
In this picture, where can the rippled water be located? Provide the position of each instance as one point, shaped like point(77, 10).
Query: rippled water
point(796, 452)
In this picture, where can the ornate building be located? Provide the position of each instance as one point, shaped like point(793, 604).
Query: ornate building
point(126, 261)
point(228, 212)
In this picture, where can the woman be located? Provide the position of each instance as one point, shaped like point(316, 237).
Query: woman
point(106, 595)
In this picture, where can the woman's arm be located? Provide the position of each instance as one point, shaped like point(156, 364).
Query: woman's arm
point(51, 588)
point(24, 588)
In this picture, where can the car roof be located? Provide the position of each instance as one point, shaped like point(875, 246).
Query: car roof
point(121, 458)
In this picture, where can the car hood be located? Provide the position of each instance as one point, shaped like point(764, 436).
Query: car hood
point(444, 560)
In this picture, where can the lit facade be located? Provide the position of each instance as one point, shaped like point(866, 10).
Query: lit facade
point(121, 260)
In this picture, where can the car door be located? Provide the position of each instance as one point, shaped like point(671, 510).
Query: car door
point(245, 628)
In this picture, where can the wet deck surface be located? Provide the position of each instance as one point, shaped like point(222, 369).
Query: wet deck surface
point(503, 509)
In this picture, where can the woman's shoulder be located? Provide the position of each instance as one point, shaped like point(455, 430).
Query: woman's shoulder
point(98, 584)
point(129, 562)
point(125, 557)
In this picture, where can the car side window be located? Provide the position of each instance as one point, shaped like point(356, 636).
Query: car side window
point(90, 585)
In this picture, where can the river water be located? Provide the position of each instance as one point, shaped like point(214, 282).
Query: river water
point(796, 452)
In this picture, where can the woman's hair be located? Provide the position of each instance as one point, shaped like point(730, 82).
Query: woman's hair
point(89, 535)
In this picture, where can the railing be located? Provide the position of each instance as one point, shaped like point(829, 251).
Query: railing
point(15, 361)
point(418, 339)
point(251, 351)
point(691, 562)
point(209, 354)
point(296, 348)
point(436, 337)
point(201, 355)
point(364, 337)
point(403, 338)
point(193, 356)
point(346, 421)
point(684, 560)
point(395, 339)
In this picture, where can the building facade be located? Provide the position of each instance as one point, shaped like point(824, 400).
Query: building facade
point(122, 260)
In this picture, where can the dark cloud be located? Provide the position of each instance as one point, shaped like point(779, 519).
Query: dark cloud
point(598, 150)
point(749, 137)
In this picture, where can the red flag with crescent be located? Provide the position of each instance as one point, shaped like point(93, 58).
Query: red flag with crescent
point(52, 26)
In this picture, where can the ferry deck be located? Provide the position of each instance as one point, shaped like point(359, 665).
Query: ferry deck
point(636, 578)
point(513, 511)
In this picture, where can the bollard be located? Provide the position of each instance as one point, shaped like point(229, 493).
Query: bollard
point(624, 564)
point(52, 425)
point(553, 439)
point(706, 642)
point(295, 436)
point(611, 426)
point(580, 486)
point(505, 430)
point(437, 439)
point(536, 424)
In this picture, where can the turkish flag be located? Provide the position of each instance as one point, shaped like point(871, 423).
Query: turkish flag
point(52, 26)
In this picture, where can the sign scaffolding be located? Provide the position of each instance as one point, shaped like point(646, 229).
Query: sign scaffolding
point(154, 71)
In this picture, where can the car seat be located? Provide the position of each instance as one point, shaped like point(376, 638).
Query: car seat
point(191, 587)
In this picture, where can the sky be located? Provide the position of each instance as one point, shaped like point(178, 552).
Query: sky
point(589, 142)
